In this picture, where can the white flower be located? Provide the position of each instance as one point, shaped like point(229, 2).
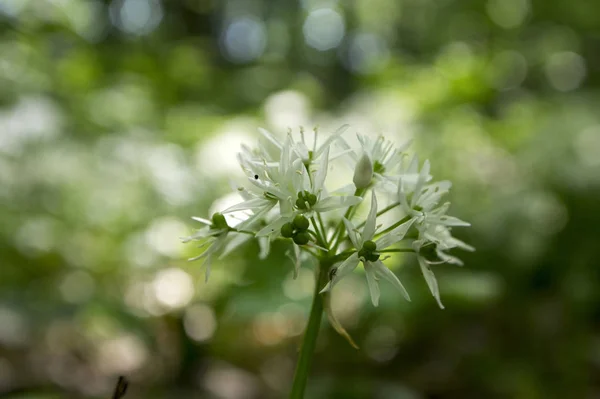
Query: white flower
point(213, 235)
point(303, 194)
point(367, 253)
point(430, 251)
point(424, 200)
point(306, 154)
point(420, 202)
point(386, 159)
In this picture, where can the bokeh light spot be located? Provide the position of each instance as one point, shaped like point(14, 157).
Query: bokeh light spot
point(324, 29)
point(77, 287)
point(366, 53)
point(200, 322)
point(565, 71)
point(173, 288)
point(508, 13)
point(137, 17)
point(244, 39)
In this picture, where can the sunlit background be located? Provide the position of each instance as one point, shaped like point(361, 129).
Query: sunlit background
point(121, 119)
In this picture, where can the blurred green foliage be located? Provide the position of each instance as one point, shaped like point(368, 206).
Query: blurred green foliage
point(120, 119)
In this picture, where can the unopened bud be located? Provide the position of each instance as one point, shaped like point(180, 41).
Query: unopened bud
point(363, 173)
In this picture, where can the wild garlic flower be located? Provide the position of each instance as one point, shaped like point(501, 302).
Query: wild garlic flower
point(384, 157)
point(420, 201)
point(286, 200)
point(368, 252)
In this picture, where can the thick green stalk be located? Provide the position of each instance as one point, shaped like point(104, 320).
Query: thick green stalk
point(310, 335)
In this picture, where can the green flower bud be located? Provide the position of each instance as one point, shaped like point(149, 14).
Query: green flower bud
point(372, 256)
point(363, 172)
point(287, 230)
point(301, 223)
point(219, 221)
point(311, 199)
point(301, 238)
point(369, 246)
point(300, 204)
point(363, 253)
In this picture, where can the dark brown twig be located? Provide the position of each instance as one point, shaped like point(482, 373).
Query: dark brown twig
point(121, 388)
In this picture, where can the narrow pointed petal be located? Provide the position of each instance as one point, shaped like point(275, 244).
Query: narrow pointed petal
point(423, 175)
point(352, 233)
point(402, 196)
point(337, 326)
point(387, 274)
point(202, 220)
point(255, 203)
point(372, 283)
point(431, 280)
point(395, 235)
point(343, 270)
point(335, 202)
point(234, 243)
point(284, 159)
point(299, 178)
point(336, 135)
point(452, 221)
point(207, 270)
point(321, 172)
point(264, 243)
point(369, 229)
point(270, 137)
point(273, 227)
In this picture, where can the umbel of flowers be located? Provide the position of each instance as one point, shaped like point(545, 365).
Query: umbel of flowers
point(286, 198)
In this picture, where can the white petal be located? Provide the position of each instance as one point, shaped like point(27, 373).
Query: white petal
point(330, 139)
point(255, 203)
point(264, 243)
point(268, 188)
point(452, 221)
point(294, 255)
point(321, 172)
point(423, 175)
point(274, 227)
point(453, 260)
point(207, 271)
point(395, 235)
point(402, 196)
point(284, 160)
point(202, 220)
point(270, 137)
point(387, 274)
point(234, 243)
point(352, 234)
point(343, 270)
point(335, 202)
point(372, 283)
point(299, 178)
point(348, 189)
point(369, 229)
point(431, 280)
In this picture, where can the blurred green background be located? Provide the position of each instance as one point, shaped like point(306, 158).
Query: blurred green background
point(121, 119)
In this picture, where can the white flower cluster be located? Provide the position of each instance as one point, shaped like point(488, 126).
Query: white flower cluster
point(286, 199)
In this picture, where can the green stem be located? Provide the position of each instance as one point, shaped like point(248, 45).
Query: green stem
point(384, 251)
point(323, 229)
point(310, 335)
point(320, 239)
